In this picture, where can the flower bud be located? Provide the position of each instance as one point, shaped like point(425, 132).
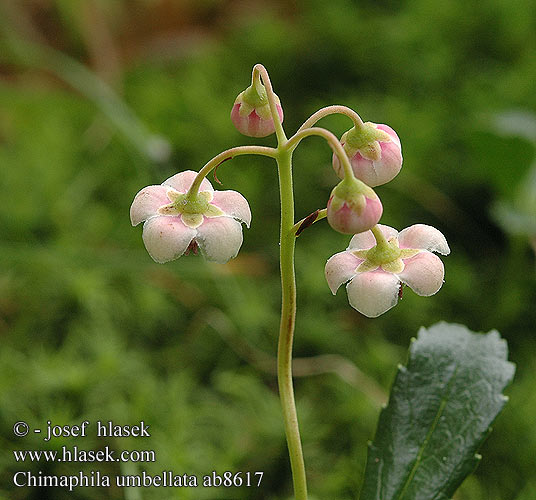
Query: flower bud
point(374, 151)
point(353, 207)
point(251, 112)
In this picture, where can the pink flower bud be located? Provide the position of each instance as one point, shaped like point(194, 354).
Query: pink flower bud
point(353, 210)
point(374, 151)
point(251, 112)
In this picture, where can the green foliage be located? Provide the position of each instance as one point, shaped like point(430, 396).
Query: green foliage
point(440, 410)
point(91, 328)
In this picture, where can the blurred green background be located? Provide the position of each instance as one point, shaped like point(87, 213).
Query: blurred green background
point(100, 98)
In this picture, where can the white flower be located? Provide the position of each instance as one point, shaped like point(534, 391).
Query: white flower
point(175, 224)
point(374, 277)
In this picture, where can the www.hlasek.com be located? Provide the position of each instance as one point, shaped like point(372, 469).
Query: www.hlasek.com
point(74, 454)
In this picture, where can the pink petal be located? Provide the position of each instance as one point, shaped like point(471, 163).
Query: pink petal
point(373, 293)
point(267, 127)
point(183, 180)
point(366, 240)
point(347, 221)
point(219, 238)
point(376, 173)
point(390, 131)
point(389, 165)
point(147, 202)
point(341, 268)
point(166, 238)
point(233, 204)
point(423, 273)
point(424, 237)
point(362, 241)
point(254, 125)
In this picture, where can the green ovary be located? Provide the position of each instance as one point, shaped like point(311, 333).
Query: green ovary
point(190, 208)
point(198, 205)
point(383, 254)
point(386, 255)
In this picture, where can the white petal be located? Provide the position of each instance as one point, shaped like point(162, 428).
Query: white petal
point(373, 293)
point(219, 238)
point(166, 238)
point(340, 268)
point(147, 202)
point(366, 240)
point(362, 241)
point(424, 237)
point(183, 180)
point(423, 273)
point(234, 204)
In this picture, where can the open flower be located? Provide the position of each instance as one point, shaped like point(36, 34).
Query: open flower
point(176, 223)
point(375, 271)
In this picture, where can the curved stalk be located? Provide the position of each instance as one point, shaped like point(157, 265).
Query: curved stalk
point(259, 69)
point(227, 155)
point(331, 110)
point(333, 142)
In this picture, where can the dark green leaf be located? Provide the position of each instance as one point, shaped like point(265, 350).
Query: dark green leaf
point(440, 410)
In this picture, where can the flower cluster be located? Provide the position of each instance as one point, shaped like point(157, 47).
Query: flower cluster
point(379, 261)
point(185, 214)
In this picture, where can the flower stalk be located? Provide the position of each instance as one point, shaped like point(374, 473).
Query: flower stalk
point(287, 325)
point(227, 155)
point(288, 295)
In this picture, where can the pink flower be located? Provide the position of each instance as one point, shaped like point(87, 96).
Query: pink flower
point(254, 122)
point(375, 154)
point(375, 275)
point(348, 217)
point(251, 113)
point(174, 224)
point(353, 207)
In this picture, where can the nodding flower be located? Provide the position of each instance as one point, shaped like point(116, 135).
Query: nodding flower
point(376, 270)
point(176, 222)
point(374, 151)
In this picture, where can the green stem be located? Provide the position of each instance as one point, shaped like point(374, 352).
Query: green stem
point(283, 156)
point(381, 241)
point(288, 318)
point(333, 142)
point(288, 294)
point(330, 110)
point(227, 155)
